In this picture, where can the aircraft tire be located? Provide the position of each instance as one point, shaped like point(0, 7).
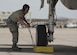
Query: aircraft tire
point(41, 35)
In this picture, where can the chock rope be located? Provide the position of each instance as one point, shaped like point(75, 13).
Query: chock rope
point(31, 35)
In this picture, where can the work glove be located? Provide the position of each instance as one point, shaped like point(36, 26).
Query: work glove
point(28, 24)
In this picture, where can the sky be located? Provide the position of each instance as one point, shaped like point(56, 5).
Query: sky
point(13, 5)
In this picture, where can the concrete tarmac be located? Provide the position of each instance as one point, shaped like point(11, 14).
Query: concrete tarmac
point(65, 42)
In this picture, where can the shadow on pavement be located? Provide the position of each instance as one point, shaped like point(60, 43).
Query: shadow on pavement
point(24, 48)
point(29, 49)
point(62, 48)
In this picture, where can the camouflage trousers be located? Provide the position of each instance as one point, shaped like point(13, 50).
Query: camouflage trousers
point(13, 27)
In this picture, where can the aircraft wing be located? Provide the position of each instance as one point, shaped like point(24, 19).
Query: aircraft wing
point(70, 4)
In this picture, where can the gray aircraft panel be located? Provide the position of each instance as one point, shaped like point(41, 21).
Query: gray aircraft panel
point(70, 4)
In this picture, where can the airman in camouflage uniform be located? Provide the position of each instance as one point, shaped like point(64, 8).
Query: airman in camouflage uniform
point(13, 19)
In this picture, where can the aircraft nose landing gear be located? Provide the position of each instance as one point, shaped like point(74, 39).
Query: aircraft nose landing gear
point(41, 40)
